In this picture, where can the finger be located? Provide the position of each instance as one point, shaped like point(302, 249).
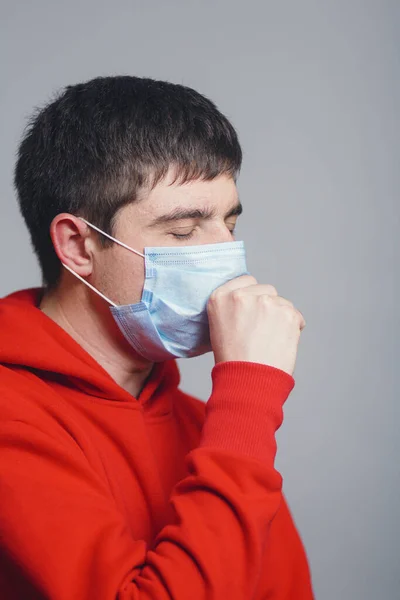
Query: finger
point(249, 284)
point(303, 321)
point(238, 282)
point(269, 290)
point(261, 289)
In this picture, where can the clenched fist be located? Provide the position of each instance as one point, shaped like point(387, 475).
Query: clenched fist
point(250, 322)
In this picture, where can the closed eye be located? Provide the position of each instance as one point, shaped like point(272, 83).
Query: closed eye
point(187, 236)
point(183, 236)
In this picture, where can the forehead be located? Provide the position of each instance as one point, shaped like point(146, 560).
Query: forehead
point(219, 195)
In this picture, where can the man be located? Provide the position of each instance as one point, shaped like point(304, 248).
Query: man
point(114, 483)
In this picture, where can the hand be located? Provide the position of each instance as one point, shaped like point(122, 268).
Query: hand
point(250, 322)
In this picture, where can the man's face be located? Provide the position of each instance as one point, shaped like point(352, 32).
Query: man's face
point(198, 212)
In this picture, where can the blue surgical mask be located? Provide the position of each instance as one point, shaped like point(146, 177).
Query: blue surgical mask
point(171, 319)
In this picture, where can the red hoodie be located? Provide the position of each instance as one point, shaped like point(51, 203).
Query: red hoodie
point(104, 496)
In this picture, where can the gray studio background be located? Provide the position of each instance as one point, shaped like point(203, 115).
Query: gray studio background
point(313, 89)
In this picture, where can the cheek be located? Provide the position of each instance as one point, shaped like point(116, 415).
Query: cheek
point(122, 277)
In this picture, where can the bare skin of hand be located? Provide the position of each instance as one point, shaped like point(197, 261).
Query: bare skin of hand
point(250, 322)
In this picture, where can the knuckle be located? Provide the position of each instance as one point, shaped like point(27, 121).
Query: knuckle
point(214, 297)
point(238, 295)
point(289, 312)
point(251, 279)
point(264, 300)
point(272, 291)
point(285, 302)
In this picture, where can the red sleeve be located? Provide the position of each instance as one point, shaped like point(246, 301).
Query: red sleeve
point(62, 537)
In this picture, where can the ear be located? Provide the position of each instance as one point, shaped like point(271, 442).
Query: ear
point(73, 243)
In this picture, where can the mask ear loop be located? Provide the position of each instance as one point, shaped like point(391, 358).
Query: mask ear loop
point(89, 285)
point(113, 240)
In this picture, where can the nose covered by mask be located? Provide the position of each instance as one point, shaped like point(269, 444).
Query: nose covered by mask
point(171, 319)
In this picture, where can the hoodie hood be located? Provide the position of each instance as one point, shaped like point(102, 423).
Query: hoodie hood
point(29, 339)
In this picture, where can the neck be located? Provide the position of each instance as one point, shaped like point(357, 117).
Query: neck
point(87, 319)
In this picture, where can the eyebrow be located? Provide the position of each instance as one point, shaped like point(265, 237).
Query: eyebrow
point(179, 214)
